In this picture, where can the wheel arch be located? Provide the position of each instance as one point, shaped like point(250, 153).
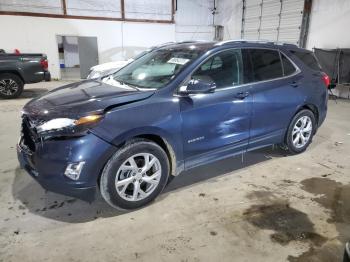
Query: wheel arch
point(166, 146)
point(161, 138)
point(313, 108)
point(307, 106)
point(12, 72)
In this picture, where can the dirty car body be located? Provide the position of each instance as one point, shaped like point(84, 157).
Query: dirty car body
point(225, 116)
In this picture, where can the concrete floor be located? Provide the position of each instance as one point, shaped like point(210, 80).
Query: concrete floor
point(267, 208)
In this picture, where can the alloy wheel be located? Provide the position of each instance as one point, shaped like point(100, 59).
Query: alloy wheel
point(8, 87)
point(302, 131)
point(138, 177)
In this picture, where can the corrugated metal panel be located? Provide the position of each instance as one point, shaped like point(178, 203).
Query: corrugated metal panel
point(270, 20)
point(35, 6)
point(252, 14)
point(291, 19)
point(270, 15)
point(194, 20)
point(275, 20)
point(103, 8)
point(150, 9)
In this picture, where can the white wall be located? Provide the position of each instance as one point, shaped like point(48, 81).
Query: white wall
point(194, 20)
point(122, 40)
point(38, 34)
point(229, 15)
point(329, 25)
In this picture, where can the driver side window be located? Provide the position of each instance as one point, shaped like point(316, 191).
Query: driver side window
point(224, 69)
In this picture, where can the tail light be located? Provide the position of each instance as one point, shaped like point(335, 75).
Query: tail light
point(44, 64)
point(326, 80)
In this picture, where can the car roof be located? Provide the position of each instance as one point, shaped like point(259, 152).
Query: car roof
point(207, 45)
point(200, 45)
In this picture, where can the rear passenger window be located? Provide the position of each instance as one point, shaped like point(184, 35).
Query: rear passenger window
point(266, 64)
point(308, 59)
point(288, 67)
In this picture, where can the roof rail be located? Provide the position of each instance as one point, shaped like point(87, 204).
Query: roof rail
point(190, 41)
point(255, 41)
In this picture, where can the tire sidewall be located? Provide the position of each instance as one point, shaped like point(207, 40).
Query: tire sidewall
point(289, 138)
point(18, 81)
point(109, 174)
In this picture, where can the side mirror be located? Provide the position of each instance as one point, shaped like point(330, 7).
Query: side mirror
point(198, 87)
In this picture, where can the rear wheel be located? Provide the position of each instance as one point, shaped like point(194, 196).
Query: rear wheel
point(11, 86)
point(135, 175)
point(300, 132)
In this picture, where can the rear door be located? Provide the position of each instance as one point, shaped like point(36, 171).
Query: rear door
point(216, 125)
point(275, 93)
point(313, 84)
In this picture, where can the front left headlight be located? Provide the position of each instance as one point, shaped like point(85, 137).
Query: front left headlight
point(62, 123)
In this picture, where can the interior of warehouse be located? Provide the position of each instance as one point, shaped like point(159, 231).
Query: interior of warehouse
point(189, 130)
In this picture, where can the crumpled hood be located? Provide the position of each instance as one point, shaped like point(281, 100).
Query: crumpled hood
point(80, 99)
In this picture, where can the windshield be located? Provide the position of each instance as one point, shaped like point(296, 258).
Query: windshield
point(157, 68)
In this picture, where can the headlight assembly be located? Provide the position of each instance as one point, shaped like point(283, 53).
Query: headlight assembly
point(68, 123)
point(55, 124)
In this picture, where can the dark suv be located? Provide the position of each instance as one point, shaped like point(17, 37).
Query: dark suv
point(172, 109)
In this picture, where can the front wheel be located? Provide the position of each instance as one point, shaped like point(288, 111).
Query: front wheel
point(135, 175)
point(300, 132)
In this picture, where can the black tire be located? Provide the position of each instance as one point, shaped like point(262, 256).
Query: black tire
point(288, 143)
point(109, 173)
point(8, 82)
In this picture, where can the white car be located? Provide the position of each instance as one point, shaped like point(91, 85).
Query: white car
point(98, 71)
point(106, 68)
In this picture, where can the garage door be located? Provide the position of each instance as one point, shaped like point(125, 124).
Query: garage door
point(274, 20)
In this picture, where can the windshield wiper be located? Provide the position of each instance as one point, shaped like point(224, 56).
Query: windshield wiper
point(121, 82)
point(127, 84)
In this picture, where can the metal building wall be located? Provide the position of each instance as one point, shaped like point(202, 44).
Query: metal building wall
point(274, 20)
point(194, 20)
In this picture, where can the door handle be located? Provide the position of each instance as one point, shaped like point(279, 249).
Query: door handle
point(294, 84)
point(242, 95)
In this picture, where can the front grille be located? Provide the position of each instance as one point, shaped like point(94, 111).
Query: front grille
point(29, 135)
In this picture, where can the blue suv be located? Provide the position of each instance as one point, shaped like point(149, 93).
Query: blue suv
point(175, 108)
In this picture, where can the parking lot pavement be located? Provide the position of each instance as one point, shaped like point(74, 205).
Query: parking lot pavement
point(264, 206)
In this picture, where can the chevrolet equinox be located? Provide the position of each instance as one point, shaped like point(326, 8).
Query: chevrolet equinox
point(175, 108)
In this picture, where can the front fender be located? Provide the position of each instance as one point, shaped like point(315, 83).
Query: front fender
point(154, 116)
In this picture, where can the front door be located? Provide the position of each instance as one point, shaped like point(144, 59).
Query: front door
point(216, 125)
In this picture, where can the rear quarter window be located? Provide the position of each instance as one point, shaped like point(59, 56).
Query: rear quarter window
point(288, 67)
point(308, 59)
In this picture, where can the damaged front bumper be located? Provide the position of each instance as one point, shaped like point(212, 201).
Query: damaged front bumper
point(46, 161)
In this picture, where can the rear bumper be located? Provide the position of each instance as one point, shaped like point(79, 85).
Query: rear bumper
point(49, 161)
point(322, 117)
point(47, 76)
point(37, 77)
point(322, 109)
